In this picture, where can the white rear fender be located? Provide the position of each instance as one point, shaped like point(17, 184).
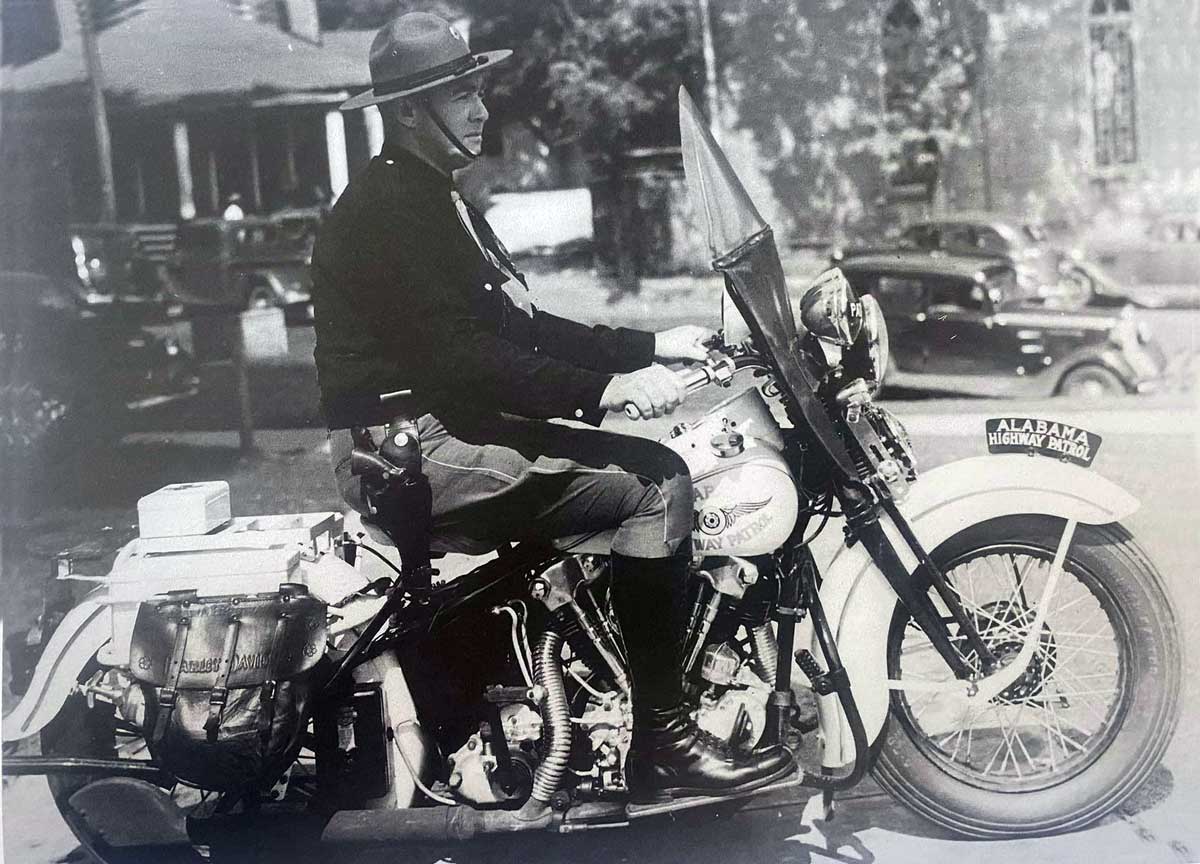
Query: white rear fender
point(946, 500)
point(83, 631)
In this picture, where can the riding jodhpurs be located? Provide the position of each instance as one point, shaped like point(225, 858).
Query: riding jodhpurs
point(509, 478)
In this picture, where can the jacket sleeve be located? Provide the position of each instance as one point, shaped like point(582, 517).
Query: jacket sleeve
point(603, 349)
point(467, 352)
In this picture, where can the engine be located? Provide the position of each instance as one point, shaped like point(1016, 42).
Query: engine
point(733, 706)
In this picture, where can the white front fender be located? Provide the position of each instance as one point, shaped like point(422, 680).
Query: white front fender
point(944, 501)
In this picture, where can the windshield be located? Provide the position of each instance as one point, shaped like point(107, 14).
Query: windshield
point(739, 238)
point(743, 249)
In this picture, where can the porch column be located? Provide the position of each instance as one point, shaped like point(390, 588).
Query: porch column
point(374, 121)
point(214, 183)
point(183, 171)
point(256, 196)
point(335, 147)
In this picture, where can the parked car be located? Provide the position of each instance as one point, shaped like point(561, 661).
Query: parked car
point(1160, 262)
point(1045, 273)
point(246, 264)
point(73, 375)
point(959, 324)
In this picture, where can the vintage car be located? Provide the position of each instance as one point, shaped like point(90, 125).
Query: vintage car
point(74, 374)
point(1045, 273)
point(958, 325)
point(109, 265)
point(1161, 261)
point(247, 263)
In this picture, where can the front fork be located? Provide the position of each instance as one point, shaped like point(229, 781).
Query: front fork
point(888, 538)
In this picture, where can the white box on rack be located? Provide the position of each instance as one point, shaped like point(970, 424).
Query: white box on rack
point(183, 509)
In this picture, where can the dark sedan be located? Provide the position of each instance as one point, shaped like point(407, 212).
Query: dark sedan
point(73, 375)
point(1045, 273)
point(959, 324)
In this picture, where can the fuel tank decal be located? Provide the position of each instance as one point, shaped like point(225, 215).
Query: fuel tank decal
point(714, 520)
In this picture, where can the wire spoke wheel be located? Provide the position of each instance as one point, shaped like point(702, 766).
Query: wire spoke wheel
point(1083, 723)
point(1058, 715)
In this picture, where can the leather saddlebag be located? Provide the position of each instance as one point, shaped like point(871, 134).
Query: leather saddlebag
point(227, 682)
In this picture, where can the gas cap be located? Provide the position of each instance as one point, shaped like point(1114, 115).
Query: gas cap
point(727, 444)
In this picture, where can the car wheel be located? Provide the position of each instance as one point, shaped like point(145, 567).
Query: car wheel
point(1091, 382)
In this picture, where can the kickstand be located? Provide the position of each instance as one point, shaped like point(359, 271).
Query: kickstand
point(827, 799)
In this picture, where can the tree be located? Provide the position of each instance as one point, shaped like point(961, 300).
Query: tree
point(603, 73)
point(841, 94)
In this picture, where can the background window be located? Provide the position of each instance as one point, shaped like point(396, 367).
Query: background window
point(1114, 115)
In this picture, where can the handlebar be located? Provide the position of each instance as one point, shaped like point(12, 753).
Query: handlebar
point(717, 369)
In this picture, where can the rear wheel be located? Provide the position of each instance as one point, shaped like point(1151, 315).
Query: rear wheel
point(78, 731)
point(1086, 722)
point(176, 812)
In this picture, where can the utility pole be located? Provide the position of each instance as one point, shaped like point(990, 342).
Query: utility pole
point(99, 109)
point(985, 129)
point(712, 97)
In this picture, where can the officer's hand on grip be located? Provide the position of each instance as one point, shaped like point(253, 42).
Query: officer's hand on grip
point(650, 392)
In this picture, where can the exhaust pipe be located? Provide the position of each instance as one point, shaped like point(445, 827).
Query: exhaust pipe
point(432, 825)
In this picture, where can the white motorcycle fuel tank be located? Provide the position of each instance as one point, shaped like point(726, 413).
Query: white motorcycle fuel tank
point(746, 500)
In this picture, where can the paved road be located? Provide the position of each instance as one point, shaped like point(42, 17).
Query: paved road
point(1149, 449)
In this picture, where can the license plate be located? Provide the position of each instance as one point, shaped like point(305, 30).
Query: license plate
point(1043, 438)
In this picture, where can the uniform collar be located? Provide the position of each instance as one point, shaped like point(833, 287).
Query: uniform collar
point(419, 176)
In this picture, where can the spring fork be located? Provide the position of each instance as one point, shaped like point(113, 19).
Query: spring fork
point(764, 651)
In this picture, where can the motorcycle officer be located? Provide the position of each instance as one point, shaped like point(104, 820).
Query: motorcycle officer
point(413, 292)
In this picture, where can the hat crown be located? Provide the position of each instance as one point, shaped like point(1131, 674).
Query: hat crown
point(413, 44)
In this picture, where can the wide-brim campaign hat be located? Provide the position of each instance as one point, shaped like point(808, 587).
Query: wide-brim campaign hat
point(419, 51)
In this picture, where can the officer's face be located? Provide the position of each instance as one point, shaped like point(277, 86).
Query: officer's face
point(460, 105)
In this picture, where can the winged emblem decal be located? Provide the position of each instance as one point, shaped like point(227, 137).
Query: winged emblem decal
point(714, 520)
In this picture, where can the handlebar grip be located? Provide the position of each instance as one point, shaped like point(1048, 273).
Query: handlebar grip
point(692, 380)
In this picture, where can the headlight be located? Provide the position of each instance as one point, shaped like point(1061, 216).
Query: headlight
point(831, 311)
point(874, 331)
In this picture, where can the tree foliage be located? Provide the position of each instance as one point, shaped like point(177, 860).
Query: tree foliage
point(842, 95)
point(600, 73)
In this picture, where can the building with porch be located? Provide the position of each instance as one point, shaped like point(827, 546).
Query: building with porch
point(202, 102)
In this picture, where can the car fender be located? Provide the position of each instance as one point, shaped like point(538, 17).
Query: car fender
point(83, 632)
point(859, 602)
point(1105, 356)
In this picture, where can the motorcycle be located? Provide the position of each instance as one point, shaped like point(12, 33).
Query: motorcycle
point(988, 640)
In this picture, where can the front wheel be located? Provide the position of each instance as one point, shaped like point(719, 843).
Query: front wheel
point(1081, 729)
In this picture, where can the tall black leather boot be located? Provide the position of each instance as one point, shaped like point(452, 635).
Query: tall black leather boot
point(669, 757)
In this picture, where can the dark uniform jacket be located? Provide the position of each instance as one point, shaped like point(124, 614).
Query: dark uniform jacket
point(405, 299)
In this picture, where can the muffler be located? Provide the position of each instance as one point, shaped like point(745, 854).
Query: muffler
point(444, 824)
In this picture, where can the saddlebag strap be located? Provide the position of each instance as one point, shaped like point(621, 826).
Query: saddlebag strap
point(168, 694)
point(266, 704)
point(220, 692)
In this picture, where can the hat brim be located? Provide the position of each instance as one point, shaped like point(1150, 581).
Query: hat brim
point(485, 61)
